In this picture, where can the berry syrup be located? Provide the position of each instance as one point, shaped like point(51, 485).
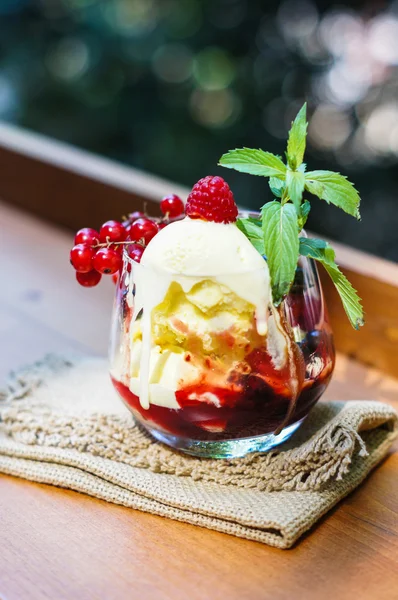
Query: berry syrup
point(254, 408)
point(255, 398)
point(250, 404)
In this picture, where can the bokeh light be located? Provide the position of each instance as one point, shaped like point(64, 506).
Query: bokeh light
point(339, 29)
point(383, 39)
point(381, 129)
point(213, 69)
point(173, 63)
point(215, 108)
point(297, 18)
point(131, 17)
point(68, 59)
point(329, 127)
point(169, 85)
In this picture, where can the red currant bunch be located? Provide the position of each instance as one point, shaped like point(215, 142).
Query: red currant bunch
point(98, 253)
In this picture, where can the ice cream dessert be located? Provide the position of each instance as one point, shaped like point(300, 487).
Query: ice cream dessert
point(221, 342)
point(204, 352)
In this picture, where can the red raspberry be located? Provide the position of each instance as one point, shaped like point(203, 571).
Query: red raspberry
point(211, 199)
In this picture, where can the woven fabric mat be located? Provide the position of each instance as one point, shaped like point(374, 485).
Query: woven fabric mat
point(61, 423)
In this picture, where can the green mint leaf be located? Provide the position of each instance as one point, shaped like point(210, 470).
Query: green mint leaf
point(304, 212)
point(321, 251)
point(253, 232)
point(277, 186)
point(295, 182)
point(335, 189)
point(297, 137)
point(281, 245)
point(254, 162)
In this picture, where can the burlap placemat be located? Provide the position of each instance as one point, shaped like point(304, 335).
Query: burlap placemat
point(62, 423)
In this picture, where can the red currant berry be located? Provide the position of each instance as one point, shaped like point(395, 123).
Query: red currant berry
point(115, 278)
point(107, 261)
point(162, 225)
point(135, 251)
point(172, 206)
point(81, 257)
point(133, 217)
point(112, 231)
point(89, 279)
point(143, 229)
point(87, 236)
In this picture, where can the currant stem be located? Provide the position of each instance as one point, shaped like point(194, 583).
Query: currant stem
point(108, 243)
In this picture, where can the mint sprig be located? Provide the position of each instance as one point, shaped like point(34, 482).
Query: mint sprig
point(253, 230)
point(295, 182)
point(322, 252)
point(254, 162)
point(277, 236)
point(297, 139)
point(281, 245)
point(335, 189)
point(304, 212)
point(277, 186)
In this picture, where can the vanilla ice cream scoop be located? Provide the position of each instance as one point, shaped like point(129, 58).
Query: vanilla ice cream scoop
point(196, 247)
point(218, 251)
point(188, 252)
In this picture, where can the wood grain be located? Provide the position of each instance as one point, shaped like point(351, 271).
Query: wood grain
point(57, 544)
point(88, 549)
point(67, 197)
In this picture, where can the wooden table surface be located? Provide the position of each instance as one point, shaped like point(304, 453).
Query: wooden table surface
point(59, 544)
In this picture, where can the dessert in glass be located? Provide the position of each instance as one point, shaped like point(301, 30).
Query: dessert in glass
point(201, 356)
point(220, 340)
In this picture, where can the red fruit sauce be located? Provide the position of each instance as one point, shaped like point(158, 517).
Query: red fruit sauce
point(256, 398)
point(254, 405)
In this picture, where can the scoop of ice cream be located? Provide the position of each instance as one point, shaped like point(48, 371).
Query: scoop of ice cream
point(203, 288)
point(221, 252)
point(196, 247)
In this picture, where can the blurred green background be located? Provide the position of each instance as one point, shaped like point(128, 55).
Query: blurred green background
point(169, 85)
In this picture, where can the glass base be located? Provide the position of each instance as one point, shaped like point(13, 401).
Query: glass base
point(225, 448)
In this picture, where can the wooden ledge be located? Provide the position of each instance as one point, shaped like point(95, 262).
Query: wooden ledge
point(73, 188)
point(376, 280)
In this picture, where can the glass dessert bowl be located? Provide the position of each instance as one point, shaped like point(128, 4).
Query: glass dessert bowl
point(201, 356)
point(221, 343)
